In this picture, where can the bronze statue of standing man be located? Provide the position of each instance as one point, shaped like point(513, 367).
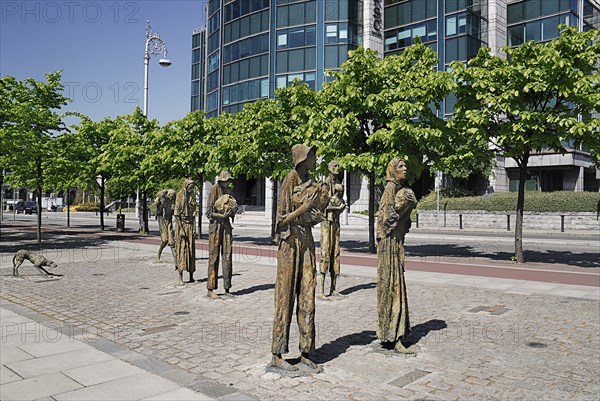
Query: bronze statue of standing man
point(301, 201)
point(185, 217)
point(393, 222)
point(220, 210)
point(165, 201)
point(330, 229)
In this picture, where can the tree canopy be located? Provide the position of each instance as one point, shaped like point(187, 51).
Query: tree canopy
point(540, 97)
point(28, 124)
point(377, 109)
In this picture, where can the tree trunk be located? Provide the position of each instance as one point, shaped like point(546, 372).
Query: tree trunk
point(520, 205)
point(69, 207)
point(1, 196)
point(102, 203)
point(372, 248)
point(139, 211)
point(145, 213)
point(39, 200)
point(274, 210)
point(200, 186)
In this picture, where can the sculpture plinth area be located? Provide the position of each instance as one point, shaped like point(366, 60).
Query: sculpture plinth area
point(303, 203)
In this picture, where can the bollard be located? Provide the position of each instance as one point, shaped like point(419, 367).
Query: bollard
point(445, 207)
point(508, 222)
point(460, 221)
point(120, 223)
point(417, 220)
point(562, 223)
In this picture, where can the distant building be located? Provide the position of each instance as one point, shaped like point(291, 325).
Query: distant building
point(249, 48)
point(198, 50)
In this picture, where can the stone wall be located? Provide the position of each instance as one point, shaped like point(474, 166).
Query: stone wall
point(533, 221)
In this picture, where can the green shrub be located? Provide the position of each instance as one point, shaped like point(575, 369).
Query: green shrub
point(561, 201)
point(86, 207)
point(364, 212)
point(456, 192)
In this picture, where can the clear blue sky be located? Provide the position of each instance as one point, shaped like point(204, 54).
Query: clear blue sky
point(100, 46)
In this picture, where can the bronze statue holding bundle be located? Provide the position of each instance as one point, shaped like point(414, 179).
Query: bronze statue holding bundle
point(300, 206)
point(220, 211)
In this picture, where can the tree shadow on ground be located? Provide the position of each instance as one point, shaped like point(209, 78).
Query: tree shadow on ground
point(53, 244)
point(451, 253)
point(358, 287)
point(254, 240)
point(355, 246)
point(333, 349)
point(250, 290)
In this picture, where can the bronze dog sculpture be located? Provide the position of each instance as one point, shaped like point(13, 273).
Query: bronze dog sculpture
point(38, 261)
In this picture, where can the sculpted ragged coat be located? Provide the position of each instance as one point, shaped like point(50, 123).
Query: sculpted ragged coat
point(184, 213)
point(393, 222)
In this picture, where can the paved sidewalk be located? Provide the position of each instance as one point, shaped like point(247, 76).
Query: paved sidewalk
point(480, 337)
point(39, 362)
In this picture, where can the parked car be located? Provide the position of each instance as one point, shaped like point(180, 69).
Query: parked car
point(27, 207)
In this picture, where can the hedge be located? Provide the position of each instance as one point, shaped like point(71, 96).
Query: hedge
point(561, 201)
point(85, 207)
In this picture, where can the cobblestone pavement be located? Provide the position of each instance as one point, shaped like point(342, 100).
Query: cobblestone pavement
point(475, 343)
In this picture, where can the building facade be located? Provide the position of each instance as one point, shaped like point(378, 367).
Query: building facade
point(249, 48)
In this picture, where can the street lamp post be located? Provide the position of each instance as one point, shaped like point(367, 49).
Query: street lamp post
point(154, 46)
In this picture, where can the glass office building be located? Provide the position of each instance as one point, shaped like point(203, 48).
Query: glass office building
point(537, 20)
point(256, 46)
point(198, 50)
point(249, 48)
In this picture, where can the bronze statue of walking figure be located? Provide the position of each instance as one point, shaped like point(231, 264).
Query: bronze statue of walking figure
point(165, 201)
point(185, 217)
point(330, 229)
point(393, 222)
point(220, 211)
point(300, 206)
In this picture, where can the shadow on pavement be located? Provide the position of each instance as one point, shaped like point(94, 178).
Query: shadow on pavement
point(337, 347)
point(254, 240)
point(50, 242)
point(447, 252)
point(205, 279)
point(421, 330)
point(359, 287)
point(355, 246)
point(250, 290)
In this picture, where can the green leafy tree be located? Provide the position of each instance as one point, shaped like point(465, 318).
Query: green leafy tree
point(257, 141)
point(179, 150)
point(7, 96)
point(91, 172)
point(63, 169)
point(539, 97)
point(377, 109)
point(30, 122)
point(123, 158)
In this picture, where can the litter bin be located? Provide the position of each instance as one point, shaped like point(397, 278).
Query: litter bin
point(120, 223)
